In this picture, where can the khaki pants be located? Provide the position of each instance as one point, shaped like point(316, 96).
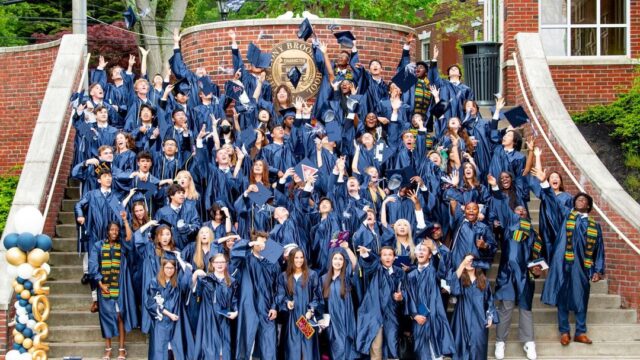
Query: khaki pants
point(375, 353)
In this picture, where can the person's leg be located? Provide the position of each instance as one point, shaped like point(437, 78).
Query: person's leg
point(581, 322)
point(525, 325)
point(107, 349)
point(563, 319)
point(122, 351)
point(505, 311)
point(376, 346)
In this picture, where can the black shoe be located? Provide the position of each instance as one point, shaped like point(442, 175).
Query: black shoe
point(85, 279)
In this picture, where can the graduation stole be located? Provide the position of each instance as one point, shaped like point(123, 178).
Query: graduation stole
point(592, 237)
point(110, 269)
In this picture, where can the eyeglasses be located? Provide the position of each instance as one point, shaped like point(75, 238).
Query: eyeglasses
point(219, 262)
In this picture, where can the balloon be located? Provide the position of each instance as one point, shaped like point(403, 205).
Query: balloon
point(28, 285)
point(23, 302)
point(21, 311)
point(18, 288)
point(41, 315)
point(25, 294)
point(10, 241)
point(18, 339)
point(17, 305)
point(20, 327)
point(46, 268)
point(29, 219)
point(27, 343)
point(31, 323)
point(29, 307)
point(20, 280)
point(25, 271)
point(26, 241)
point(43, 242)
point(22, 319)
point(27, 334)
point(37, 257)
point(17, 347)
point(12, 355)
point(15, 256)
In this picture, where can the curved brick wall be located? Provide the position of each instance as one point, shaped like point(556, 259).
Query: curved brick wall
point(209, 45)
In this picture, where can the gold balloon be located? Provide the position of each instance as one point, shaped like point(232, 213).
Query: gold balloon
point(18, 339)
point(41, 315)
point(27, 343)
point(37, 257)
point(32, 350)
point(42, 331)
point(15, 256)
point(40, 276)
point(40, 355)
point(14, 283)
point(25, 294)
point(41, 307)
point(15, 332)
point(18, 288)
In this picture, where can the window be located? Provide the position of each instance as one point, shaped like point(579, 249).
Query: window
point(426, 50)
point(584, 27)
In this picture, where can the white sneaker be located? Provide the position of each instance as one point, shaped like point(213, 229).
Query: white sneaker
point(530, 348)
point(499, 350)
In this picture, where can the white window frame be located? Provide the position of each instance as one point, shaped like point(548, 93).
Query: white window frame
point(598, 26)
point(425, 44)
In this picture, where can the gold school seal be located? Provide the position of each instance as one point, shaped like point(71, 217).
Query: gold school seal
point(295, 53)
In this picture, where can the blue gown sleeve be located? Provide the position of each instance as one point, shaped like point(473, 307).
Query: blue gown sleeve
point(178, 67)
point(599, 261)
point(94, 263)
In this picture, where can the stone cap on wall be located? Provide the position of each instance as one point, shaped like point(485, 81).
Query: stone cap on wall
point(12, 49)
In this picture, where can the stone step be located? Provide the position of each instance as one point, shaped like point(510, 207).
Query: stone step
point(72, 192)
point(596, 301)
point(597, 332)
point(66, 272)
point(96, 349)
point(65, 258)
point(67, 204)
point(609, 349)
point(79, 334)
point(601, 287)
point(71, 182)
point(66, 230)
point(549, 315)
point(80, 301)
point(73, 318)
point(66, 217)
point(65, 244)
point(68, 287)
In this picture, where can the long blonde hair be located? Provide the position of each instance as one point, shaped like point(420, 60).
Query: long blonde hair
point(189, 191)
point(198, 257)
point(412, 245)
point(211, 268)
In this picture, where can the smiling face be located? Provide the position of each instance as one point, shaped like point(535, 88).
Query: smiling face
point(471, 211)
point(114, 232)
point(505, 181)
point(581, 204)
point(121, 141)
point(387, 256)
point(343, 59)
point(298, 260)
point(179, 119)
point(353, 185)
point(157, 81)
point(508, 139)
point(169, 270)
point(409, 140)
point(421, 71)
point(555, 181)
point(373, 174)
point(219, 263)
point(375, 68)
point(469, 171)
point(470, 107)
point(435, 158)
point(367, 140)
point(170, 148)
point(141, 87)
point(371, 120)
point(345, 86)
point(423, 254)
point(337, 262)
point(106, 154)
point(282, 95)
point(263, 116)
point(325, 206)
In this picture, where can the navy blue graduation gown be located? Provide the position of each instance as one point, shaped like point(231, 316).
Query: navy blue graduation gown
point(455, 94)
point(481, 129)
point(321, 234)
point(94, 207)
point(423, 288)
point(213, 336)
point(189, 215)
point(132, 118)
point(125, 161)
point(115, 95)
point(378, 309)
point(470, 317)
point(252, 217)
point(570, 283)
point(547, 216)
point(305, 297)
point(258, 286)
point(289, 233)
point(125, 303)
point(464, 243)
point(181, 71)
point(194, 302)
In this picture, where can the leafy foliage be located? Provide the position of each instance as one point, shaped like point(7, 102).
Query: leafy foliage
point(8, 185)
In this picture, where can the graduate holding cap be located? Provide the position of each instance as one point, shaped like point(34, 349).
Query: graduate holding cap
point(182, 217)
point(117, 93)
point(471, 236)
point(211, 106)
point(253, 77)
point(417, 94)
point(451, 90)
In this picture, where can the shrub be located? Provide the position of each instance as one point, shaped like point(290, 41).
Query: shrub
point(8, 185)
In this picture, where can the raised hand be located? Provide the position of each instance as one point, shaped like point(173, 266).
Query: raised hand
point(436, 52)
point(492, 181)
point(144, 52)
point(102, 63)
point(132, 60)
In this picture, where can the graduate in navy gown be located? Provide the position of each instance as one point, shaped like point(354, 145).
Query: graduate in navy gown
point(480, 131)
point(219, 296)
point(578, 259)
point(250, 75)
point(339, 315)
point(109, 270)
point(474, 313)
point(182, 217)
point(431, 332)
point(219, 221)
point(257, 307)
point(451, 90)
point(286, 230)
point(299, 295)
point(117, 94)
point(164, 303)
point(471, 236)
point(326, 228)
point(383, 305)
point(137, 99)
point(125, 157)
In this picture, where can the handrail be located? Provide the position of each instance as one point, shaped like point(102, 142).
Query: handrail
point(562, 163)
point(66, 140)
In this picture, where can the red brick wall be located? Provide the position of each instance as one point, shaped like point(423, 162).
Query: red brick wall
point(621, 261)
point(23, 73)
point(212, 47)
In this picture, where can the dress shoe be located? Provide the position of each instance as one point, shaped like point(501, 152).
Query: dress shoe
point(582, 338)
point(94, 307)
point(85, 279)
point(565, 339)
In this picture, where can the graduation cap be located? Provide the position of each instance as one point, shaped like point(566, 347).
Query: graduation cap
point(294, 75)
point(345, 38)
point(305, 169)
point(78, 99)
point(272, 251)
point(261, 196)
point(328, 116)
point(147, 187)
point(233, 90)
point(129, 18)
point(257, 58)
point(404, 175)
point(305, 30)
point(480, 264)
point(440, 108)
point(115, 205)
point(103, 167)
point(516, 116)
point(352, 102)
point(205, 85)
point(333, 130)
point(288, 112)
point(404, 79)
point(402, 260)
point(182, 87)
point(166, 222)
point(248, 137)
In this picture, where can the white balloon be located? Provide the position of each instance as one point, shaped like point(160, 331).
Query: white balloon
point(13, 355)
point(29, 219)
point(46, 268)
point(21, 311)
point(25, 356)
point(17, 305)
point(31, 324)
point(12, 271)
point(22, 319)
point(25, 271)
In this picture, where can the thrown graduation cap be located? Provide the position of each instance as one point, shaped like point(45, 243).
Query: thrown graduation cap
point(261, 196)
point(516, 116)
point(405, 174)
point(402, 260)
point(333, 130)
point(147, 187)
point(294, 75)
point(272, 251)
point(248, 137)
point(305, 30)
point(129, 18)
point(182, 87)
point(440, 108)
point(345, 38)
point(288, 112)
point(257, 58)
point(404, 79)
point(115, 205)
point(205, 85)
point(480, 264)
point(233, 90)
point(305, 169)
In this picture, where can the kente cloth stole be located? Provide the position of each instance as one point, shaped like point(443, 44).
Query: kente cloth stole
point(110, 269)
point(592, 237)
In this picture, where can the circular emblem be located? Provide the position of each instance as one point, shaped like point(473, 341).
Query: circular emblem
point(295, 53)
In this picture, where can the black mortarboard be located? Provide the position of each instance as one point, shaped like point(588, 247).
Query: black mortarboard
point(294, 76)
point(516, 116)
point(305, 30)
point(147, 187)
point(305, 169)
point(233, 90)
point(115, 205)
point(205, 85)
point(328, 116)
point(262, 196)
point(440, 108)
point(257, 58)
point(129, 18)
point(272, 251)
point(164, 221)
point(345, 38)
point(480, 264)
point(248, 137)
point(406, 173)
point(402, 260)
point(333, 130)
point(103, 167)
point(353, 101)
point(182, 87)
point(291, 111)
point(404, 79)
